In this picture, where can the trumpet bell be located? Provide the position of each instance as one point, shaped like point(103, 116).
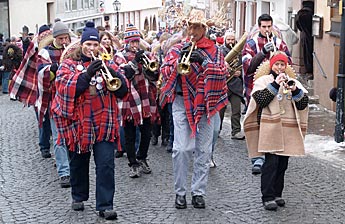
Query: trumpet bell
point(113, 84)
point(183, 68)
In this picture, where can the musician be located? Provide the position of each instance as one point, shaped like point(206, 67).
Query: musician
point(140, 108)
point(196, 97)
point(162, 127)
point(258, 49)
point(86, 114)
point(47, 64)
point(275, 126)
point(235, 88)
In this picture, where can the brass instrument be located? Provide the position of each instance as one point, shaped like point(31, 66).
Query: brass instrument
point(150, 64)
point(271, 40)
point(112, 83)
point(183, 67)
point(232, 57)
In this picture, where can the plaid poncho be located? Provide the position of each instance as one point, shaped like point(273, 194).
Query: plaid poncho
point(253, 47)
point(141, 101)
point(24, 82)
point(83, 121)
point(46, 88)
point(204, 89)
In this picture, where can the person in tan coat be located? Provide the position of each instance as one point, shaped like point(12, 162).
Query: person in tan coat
point(275, 124)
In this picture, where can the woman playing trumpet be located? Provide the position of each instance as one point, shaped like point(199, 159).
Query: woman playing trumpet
point(275, 126)
point(86, 114)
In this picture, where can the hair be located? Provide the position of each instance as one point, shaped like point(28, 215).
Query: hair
point(106, 33)
point(100, 28)
point(264, 17)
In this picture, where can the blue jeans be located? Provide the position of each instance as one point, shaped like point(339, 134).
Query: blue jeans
point(258, 161)
point(5, 78)
point(60, 151)
point(105, 175)
point(216, 130)
point(185, 148)
point(44, 133)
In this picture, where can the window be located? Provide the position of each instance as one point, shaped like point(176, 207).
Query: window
point(74, 5)
point(92, 4)
point(86, 4)
point(335, 22)
point(67, 5)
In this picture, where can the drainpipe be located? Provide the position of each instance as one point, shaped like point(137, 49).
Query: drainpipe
point(339, 117)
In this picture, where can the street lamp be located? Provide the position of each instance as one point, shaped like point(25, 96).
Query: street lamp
point(117, 7)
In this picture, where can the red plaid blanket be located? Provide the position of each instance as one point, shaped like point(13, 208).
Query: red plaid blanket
point(204, 89)
point(23, 86)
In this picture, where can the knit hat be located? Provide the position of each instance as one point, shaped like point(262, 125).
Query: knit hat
point(220, 40)
point(89, 32)
point(131, 33)
point(43, 32)
point(60, 28)
point(278, 57)
point(43, 28)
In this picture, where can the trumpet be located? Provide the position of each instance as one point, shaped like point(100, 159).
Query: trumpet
point(271, 40)
point(112, 83)
point(288, 83)
point(150, 64)
point(183, 67)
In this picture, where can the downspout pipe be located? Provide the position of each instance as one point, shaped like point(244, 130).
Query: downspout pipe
point(339, 117)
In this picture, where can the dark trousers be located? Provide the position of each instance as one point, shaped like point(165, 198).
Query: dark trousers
point(105, 175)
point(272, 176)
point(164, 126)
point(145, 137)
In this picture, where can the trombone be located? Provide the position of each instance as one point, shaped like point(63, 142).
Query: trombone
point(112, 83)
point(183, 67)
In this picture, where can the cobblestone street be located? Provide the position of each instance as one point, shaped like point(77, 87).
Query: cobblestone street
point(30, 191)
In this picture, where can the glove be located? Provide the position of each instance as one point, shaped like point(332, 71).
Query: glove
point(196, 57)
point(139, 56)
point(129, 72)
point(184, 51)
point(112, 72)
point(268, 47)
point(94, 67)
point(54, 67)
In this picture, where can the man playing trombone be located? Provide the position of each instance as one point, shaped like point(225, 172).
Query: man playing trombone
point(194, 82)
point(258, 49)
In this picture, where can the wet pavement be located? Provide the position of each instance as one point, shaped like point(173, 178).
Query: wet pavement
point(30, 192)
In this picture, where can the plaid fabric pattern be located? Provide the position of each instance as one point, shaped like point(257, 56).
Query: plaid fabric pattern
point(141, 101)
point(46, 89)
point(88, 119)
point(24, 82)
point(204, 89)
point(251, 48)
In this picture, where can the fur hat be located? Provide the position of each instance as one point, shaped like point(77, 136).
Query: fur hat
point(197, 16)
point(60, 28)
point(89, 33)
point(131, 33)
